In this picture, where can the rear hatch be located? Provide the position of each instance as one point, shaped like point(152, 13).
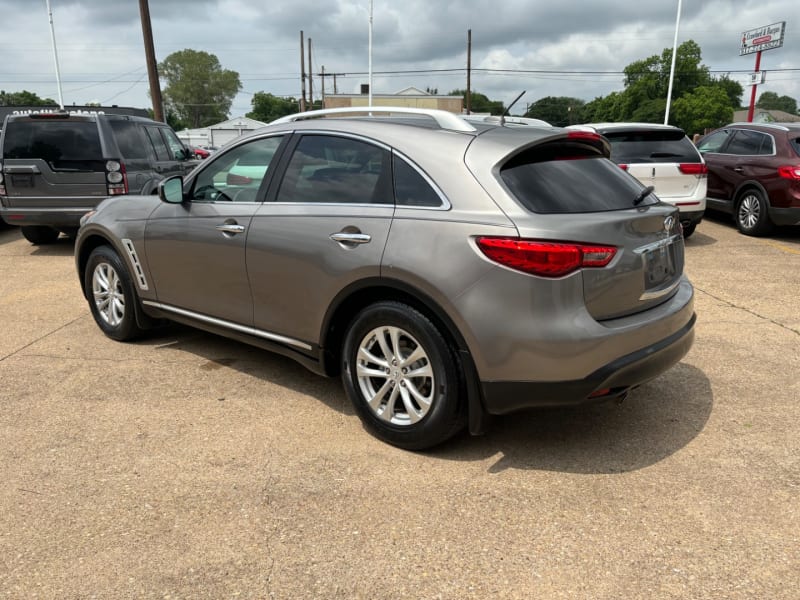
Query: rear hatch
point(572, 194)
point(663, 158)
point(52, 161)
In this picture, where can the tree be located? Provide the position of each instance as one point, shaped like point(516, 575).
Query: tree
point(267, 107)
point(480, 102)
point(771, 101)
point(707, 107)
point(557, 110)
point(24, 98)
point(198, 90)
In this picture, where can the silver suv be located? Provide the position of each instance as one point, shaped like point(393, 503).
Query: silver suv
point(56, 166)
point(446, 270)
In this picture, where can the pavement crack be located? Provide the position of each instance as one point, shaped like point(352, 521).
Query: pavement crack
point(41, 337)
point(749, 311)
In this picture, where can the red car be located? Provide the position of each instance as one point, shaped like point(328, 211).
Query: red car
point(200, 152)
point(754, 174)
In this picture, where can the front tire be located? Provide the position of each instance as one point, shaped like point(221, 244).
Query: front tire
point(39, 234)
point(110, 294)
point(402, 377)
point(752, 213)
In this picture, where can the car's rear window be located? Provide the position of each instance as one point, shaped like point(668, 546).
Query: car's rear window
point(631, 147)
point(552, 181)
point(63, 144)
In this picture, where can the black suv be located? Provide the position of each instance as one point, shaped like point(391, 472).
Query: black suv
point(754, 174)
point(56, 167)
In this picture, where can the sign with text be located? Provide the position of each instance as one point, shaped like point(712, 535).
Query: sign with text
point(763, 38)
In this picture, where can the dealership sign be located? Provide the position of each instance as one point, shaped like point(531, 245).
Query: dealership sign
point(763, 38)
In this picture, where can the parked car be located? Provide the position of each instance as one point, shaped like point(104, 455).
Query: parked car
point(57, 166)
point(445, 270)
point(200, 152)
point(754, 174)
point(663, 157)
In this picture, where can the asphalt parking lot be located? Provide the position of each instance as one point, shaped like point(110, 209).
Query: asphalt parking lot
point(188, 466)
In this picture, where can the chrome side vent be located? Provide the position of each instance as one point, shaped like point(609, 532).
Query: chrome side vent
point(137, 266)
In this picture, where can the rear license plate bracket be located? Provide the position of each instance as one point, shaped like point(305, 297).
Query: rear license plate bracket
point(24, 180)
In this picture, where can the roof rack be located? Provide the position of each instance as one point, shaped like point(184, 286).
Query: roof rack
point(773, 124)
point(445, 120)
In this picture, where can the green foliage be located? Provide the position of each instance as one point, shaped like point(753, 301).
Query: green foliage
point(771, 101)
point(480, 102)
point(557, 110)
point(707, 107)
point(171, 118)
point(24, 98)
point(199, 91)
point(267, 107)
point(733, 89)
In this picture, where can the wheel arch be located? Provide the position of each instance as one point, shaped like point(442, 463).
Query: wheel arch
point(746, 187)
point(351, 300)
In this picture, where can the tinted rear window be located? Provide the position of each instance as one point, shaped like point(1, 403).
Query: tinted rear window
point(63, 144)
point(570, 184)
point(651, 147)
point(129, 139)
point(795, 144)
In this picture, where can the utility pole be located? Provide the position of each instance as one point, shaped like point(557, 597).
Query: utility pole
point(323, 86)
point(469, 71)
point(310, 78)
point(152, 66)
point(302, 75)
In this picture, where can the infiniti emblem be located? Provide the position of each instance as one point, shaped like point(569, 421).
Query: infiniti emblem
point(668, 223)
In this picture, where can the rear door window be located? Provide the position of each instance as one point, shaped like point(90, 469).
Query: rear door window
point(714, 142)
point(563, 179)
point(795, 144)
point(159, 145)
point(750, 143)
point(651, 147)
point(64, 145)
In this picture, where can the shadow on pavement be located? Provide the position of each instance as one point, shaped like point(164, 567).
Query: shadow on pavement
point(657, 420)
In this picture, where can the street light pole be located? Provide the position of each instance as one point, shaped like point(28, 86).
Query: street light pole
point(370, 53)
point(672, 68)
point(55, 54)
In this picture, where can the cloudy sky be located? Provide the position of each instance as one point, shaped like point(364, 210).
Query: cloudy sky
point(565, 48)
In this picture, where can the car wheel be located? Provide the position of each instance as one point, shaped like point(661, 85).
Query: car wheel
point(752, 213)
point(402, 377)
point(39, 234)
point(688, 230)
point(111, 295)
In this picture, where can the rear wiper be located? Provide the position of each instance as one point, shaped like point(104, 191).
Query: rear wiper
point(663, 155)
point(643, 194)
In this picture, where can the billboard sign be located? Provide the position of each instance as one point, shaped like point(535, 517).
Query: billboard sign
point(763, 38)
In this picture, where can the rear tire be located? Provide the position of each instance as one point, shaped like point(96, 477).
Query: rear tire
point(110, 294)
point(688, 230)
point(39, 234)
point(402, 377)
point(752, 213)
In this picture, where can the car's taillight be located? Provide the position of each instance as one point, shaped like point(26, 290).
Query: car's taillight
point(546, 259)
point(2, 182)
point(623, 167)
point(584, 135)
point(116, 178)
point(789, 171)
point(693, 168)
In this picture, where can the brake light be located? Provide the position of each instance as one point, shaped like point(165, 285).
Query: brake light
point(584, 135)
point(116, 178)
point(49, 115)
point(623, 167)
point(693, 168)
point(546, 259)
point(789, 171)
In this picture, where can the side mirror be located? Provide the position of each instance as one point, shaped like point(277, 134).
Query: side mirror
point(171, 190)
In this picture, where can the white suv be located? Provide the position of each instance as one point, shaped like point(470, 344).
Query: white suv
point(663, 157)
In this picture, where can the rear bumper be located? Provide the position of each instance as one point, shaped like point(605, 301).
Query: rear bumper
point(691, 217)
point(502, 397)
point(785, 216)
point(53, 217)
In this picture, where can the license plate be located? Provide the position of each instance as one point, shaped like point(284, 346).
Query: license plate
point(659, 265)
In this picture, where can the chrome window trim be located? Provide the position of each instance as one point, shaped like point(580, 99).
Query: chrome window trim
point(273, 337)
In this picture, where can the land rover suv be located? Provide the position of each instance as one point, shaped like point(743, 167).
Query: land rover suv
point(56, 167)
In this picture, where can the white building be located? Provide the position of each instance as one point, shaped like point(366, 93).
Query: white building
point(221, 133)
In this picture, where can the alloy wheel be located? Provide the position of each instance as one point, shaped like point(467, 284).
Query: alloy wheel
point(749, 211)
point(109, 297)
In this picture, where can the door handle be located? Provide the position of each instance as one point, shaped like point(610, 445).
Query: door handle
point(22, 169)
point(351, 238)
point(231, 228)
point(738, 169)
